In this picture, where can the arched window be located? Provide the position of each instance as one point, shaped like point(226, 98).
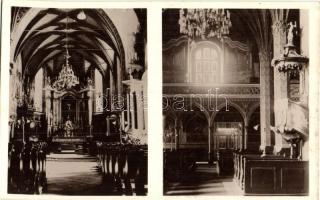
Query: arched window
point(206, 64)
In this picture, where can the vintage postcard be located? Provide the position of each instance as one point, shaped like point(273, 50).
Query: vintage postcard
point(159, 99)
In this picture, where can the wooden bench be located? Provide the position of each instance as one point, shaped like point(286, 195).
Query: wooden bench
point(275, 177)
point(27, 167)
point(225, 160)
point(272, 175)
point(122, 165)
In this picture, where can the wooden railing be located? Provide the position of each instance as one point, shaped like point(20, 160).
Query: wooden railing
point(122, 167)
point(27, 167)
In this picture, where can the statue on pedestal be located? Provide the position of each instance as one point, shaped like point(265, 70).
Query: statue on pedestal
point(68, 127)
point(292, 31)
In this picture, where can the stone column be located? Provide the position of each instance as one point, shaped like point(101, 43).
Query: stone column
point(145, 107)
point(112, 89)
point(176, 134)
point(55, 111)
point(128, 109)
point(304, 48)
point(48, 110)
point(280, 83)
point(122, 122)
point(245, 136)
point(90, 96)
point(140, 109)
point(119, 76)
point(210, 153)
point(108, 126)
point(132, 110)
point(265, 104)
point(222, 62)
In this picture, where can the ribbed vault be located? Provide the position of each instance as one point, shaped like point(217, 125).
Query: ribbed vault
point(41, 37)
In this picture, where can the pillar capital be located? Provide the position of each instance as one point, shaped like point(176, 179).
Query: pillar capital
point(278, 27)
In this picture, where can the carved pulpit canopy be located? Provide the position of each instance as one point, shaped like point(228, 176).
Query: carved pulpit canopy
point(290, 60)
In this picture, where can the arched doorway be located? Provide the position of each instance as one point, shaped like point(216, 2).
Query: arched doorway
point(195, 129)
point(228, 128)
point(195, 125)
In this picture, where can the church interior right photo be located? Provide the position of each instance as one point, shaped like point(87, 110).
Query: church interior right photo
point(235, 101)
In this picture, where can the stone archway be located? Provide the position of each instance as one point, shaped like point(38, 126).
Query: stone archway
point(228, 128)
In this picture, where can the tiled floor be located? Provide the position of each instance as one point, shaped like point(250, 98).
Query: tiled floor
point(204, 181)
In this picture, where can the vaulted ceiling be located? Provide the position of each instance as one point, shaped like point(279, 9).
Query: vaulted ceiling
point(248, 25)
point(89, 35)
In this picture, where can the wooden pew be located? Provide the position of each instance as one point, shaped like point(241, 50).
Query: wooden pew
point(271, 175)
point(239, 164)
point(225, 161)
point(26, 169)
point(123, 165)
point(178, 162)
point(274, 176)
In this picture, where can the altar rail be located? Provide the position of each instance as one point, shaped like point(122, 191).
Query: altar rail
point(122, 167)
point(271, 175)
point(27, 168)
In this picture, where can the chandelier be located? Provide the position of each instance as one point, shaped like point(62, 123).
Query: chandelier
point(66, 79)
point(204, 23)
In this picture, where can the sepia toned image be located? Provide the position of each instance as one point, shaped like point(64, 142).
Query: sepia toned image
point(235, 101)
point(78, 99)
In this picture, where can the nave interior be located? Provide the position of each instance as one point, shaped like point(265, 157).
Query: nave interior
point(78, 81)
point(235, 87)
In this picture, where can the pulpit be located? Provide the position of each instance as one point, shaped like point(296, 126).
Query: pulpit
point(291, 102)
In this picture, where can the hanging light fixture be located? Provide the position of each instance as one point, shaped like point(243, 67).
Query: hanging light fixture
point(204, 23)
point(66, 79)
point(81, 15)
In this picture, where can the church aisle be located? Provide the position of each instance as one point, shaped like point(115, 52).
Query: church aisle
point(204, 181)
point(70, 174)
point(73, 174)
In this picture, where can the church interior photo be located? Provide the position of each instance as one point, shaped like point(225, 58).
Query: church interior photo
point(78, 118)
point(235, 101)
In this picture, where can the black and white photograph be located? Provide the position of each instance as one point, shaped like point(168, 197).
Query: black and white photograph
point(235, 101)
point(78, 101)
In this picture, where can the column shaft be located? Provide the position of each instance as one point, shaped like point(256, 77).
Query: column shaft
point(280, 84)
point(265, 104)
